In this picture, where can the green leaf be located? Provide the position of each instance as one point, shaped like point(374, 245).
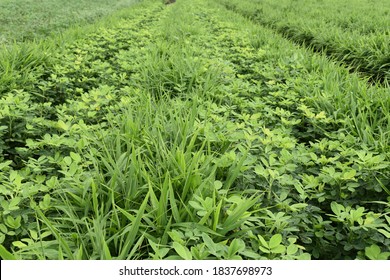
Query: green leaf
point(62, 125)
point(159, 253)
point(3, 228)
point(264, 250)
point(2, 237)
point(280, 249)
point(13, 223)
point(275, 241)
point(387, 219)
point(304, 256)
point(133, 229)
point(174, 207)
point(262, 241)
point(299, 189)
point(235, 247)
point(5, 164)
point(13, 204)
point(78, 255)
point(292, 249)
point(75, 157)
point(33, 234)
point(46, 200)
point(195, 205)
point(238, 215)
point(106, 251)
point(62, 242)
point(217, 184)
point(349, 174)
point(209, 243)
point(250, 254)
point(19, 244)
point(337, 208)
point(67, 160)
point(5, 255)
point(385, 233)
point(373, 252)
point(176, 236)
point(182, 251)
point(357, 214)
point(260, 170)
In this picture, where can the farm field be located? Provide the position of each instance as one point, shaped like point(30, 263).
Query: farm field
point(22, 20)
point(356, 32)
point(187, 131)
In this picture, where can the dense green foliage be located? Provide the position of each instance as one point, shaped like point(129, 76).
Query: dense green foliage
point(188, 132)
point(356, 32)
point(31, 19)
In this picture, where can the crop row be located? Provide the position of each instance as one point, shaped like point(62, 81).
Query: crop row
point(354, 32)
point(188, 132)
point(22, 20)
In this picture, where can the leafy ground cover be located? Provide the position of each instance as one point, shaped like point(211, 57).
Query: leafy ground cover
point(188, 132)
point(30, 19)
point(354, 31)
